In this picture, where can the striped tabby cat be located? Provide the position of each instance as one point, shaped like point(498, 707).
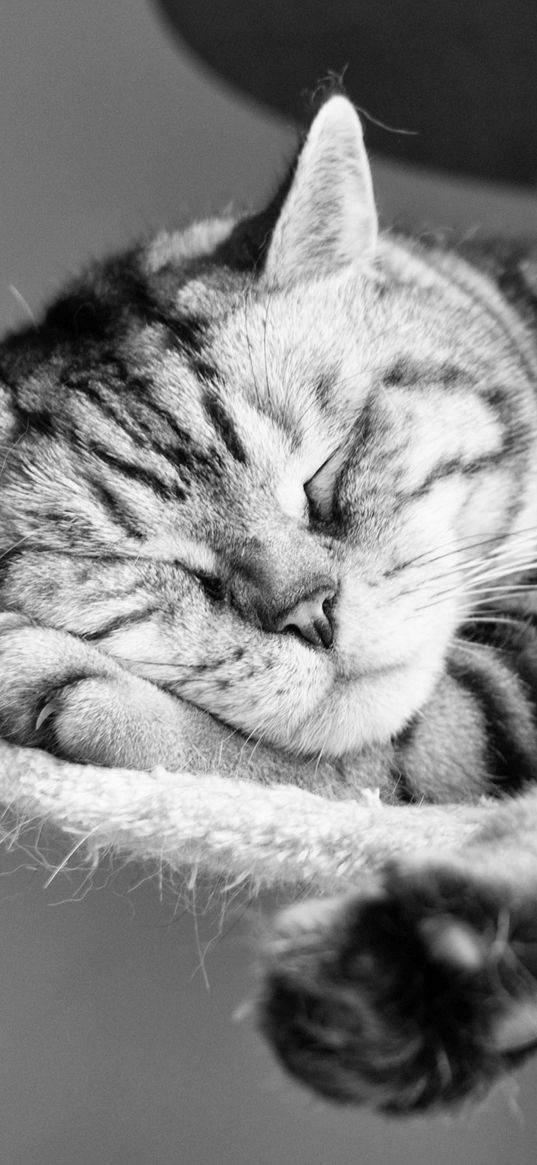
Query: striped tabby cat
point(283, 470)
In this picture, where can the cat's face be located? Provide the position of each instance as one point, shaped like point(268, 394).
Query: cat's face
point(259, 487)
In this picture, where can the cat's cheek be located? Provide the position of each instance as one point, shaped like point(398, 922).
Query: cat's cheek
point(269, 693)
point(365, 711)
point(381, 626)
point(168, 646)
point(264, 685)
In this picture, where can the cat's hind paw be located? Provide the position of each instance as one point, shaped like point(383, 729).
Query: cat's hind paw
point(417, 995)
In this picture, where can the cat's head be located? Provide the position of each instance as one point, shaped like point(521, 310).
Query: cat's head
point(248, 458)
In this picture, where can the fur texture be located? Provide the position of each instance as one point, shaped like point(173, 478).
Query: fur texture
point(273, 480)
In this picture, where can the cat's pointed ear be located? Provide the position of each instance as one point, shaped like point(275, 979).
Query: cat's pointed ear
point(328, 219)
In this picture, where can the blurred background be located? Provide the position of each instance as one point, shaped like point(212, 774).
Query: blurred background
point(117, 1029)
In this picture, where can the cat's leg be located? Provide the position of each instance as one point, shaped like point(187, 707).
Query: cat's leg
point(63, 695)
point(421, 989)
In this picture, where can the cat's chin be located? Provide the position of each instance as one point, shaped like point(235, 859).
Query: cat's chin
point(365, 710)
point(309, 705)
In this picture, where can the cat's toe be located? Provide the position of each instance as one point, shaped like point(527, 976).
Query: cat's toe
point(419, 994)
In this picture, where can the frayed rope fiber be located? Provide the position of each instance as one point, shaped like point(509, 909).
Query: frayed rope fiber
point(268, 837)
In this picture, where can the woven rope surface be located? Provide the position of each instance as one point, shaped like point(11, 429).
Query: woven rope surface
point(266, 837)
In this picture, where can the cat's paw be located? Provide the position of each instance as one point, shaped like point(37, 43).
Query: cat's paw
point(63, 695)
point(417, 995)
point(40, 672)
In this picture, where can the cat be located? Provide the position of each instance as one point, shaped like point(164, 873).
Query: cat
point(279, 473)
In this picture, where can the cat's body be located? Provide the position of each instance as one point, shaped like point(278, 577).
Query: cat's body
point(286, 471)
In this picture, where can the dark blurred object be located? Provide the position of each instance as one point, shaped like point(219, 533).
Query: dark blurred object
point(461, 74)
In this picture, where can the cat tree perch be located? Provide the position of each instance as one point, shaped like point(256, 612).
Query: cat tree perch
point(230, 831)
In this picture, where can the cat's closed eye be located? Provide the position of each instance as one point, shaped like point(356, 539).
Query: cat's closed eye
point(320, 488)
point(212, 586)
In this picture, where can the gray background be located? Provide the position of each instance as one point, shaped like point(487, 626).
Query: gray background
point(114, 1049)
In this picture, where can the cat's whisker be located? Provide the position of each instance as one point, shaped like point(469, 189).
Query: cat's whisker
point(429, 557)
point(483, 595)
point(496, 542)
point(482, 577)
point(125, 660)
point(247, 292)
point(492, 618)
point(259, 735)
point(265, 355)
point(310, 408)
point(15, 546)
point(491, 593)
point(257, 743)
point(478, 575)
point(471, 644)
point(501, 570)
point(508, 589)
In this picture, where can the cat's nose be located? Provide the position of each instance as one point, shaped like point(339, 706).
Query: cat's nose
point(312, 618)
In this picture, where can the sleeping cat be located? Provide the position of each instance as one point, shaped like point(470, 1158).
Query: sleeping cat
point(282, 470)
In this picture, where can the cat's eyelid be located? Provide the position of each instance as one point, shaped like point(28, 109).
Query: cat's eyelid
point(319, 488)
point(328, 471)
point(196, 557)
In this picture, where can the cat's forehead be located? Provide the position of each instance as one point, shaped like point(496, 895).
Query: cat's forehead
point(281, 365)
point(195, 269)
point(308, 329)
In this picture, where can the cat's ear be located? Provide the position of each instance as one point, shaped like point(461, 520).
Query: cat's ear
point(328, 219)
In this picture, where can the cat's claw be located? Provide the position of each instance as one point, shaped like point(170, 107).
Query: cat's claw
point(50, 709)
point(60, 694)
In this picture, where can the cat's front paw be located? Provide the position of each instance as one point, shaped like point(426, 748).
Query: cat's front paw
point(419, 995)
point(40, 671)
point(63, 695)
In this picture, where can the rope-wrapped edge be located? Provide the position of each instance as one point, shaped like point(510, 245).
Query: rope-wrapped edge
point(221, 827)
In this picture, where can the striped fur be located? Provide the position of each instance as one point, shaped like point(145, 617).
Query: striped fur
point(284, 468)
